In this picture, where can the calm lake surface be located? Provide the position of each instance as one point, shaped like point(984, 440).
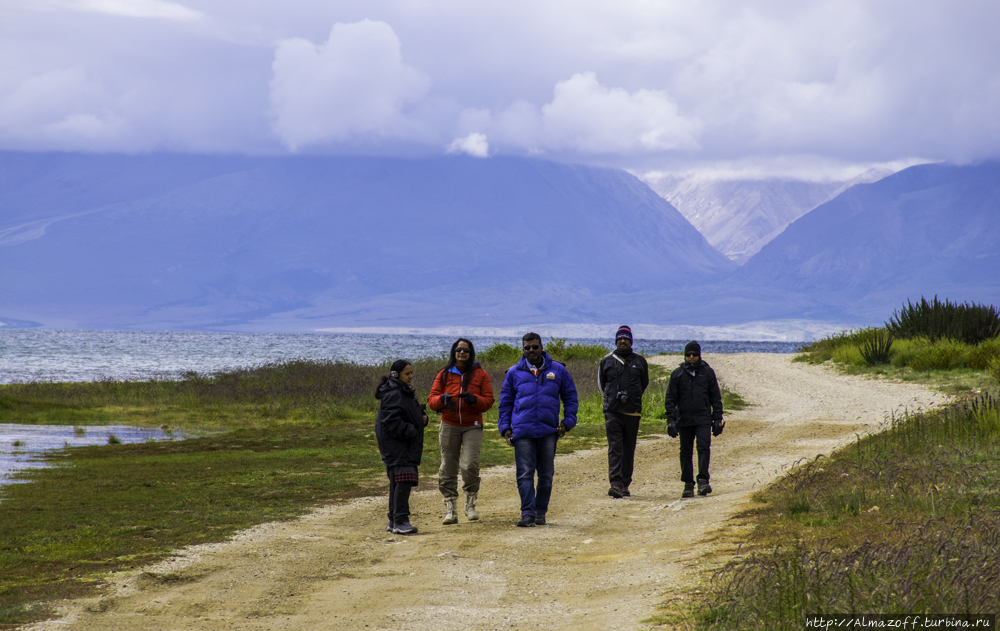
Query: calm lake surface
point(50, 355)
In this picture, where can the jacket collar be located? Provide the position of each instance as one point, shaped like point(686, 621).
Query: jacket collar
point(524, 365)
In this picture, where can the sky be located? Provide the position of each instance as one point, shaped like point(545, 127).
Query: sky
point(819, 89)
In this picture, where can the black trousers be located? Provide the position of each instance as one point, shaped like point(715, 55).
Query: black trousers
point(622, 430)
point(401, 482)
point(689, 435)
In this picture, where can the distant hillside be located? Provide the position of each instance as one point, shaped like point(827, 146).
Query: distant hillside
point(188, 242)
point(739, 217)
point(929, 229)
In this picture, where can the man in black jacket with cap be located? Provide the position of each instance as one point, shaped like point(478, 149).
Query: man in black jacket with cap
point(622, 378)
point(694, 412)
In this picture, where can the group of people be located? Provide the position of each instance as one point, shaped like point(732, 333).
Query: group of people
point(533, 391)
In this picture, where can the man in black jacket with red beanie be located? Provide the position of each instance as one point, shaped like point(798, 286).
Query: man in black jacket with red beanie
point(694, 412)
point(622, 377)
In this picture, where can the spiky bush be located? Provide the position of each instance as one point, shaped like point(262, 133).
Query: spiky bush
point(964, 322)
point(875, 347)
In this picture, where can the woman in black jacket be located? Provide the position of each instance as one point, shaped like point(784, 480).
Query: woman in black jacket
point(399, 430)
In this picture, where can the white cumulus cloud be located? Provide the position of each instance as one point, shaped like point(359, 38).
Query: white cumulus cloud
point(353, 86)
point(589, 117)
point(475, 144)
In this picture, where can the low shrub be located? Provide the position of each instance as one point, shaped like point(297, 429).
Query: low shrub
point(940, 355)
point(984, 353)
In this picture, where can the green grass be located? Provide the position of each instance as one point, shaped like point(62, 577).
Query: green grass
point(950, 366)
point(271, 443)
point(901, 522)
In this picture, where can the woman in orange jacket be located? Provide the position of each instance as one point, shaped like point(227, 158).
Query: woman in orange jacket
point(461, 393)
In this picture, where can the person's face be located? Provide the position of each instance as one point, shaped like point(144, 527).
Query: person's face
point(407, 375)
point(623, 344)
point(462, 353)
point(532, 350)
point(692, 357)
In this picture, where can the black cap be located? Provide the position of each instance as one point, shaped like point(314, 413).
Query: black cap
point(693, 347)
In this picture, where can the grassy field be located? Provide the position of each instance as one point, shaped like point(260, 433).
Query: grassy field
point(270, 443)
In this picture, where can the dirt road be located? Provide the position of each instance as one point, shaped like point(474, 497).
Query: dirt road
point(599, 564)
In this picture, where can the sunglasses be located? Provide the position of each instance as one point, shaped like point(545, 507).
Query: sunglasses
point(461, 350)
point(691, 355)
point(533, 347)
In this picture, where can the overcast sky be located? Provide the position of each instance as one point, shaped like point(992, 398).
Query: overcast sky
point(816, 87)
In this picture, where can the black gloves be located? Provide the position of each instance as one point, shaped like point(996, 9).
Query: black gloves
point(717, 427)
point(469, 398)
point(671, 430)
point(449, 401)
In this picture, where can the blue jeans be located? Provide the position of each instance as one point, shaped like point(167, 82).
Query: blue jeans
point(531, 455)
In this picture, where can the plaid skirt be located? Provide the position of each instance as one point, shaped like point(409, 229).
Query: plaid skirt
point(403, 475)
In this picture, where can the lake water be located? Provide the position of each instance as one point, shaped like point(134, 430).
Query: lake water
point(21, 446)
point(50, 355)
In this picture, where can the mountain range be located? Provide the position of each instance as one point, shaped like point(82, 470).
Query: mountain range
point(740, 216)
point(310, 243)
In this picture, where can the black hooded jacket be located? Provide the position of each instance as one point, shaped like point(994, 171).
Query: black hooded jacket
point(628, 374)
point(399, 427)
point(693, 400)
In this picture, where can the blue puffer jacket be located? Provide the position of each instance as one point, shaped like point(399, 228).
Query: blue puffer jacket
point(529, 405)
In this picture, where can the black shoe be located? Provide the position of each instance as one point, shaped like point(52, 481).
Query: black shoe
point(526, 521)
point(625, 493)
point(540, 519)
point(688, 489)
point(704, 488)
point(615, 492)
point(404, 529)
point(389, 527)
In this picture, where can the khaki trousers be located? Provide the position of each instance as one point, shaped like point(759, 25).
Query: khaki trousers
point(459, 451)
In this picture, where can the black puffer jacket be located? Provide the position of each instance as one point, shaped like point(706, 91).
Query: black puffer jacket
point(623, 374)
point(693, 400)
point(399, 427)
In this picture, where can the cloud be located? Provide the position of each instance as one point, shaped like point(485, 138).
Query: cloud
point(159, 9)
point(475, 144)
point(645, 86)
point(353, 86)
point(591, 118)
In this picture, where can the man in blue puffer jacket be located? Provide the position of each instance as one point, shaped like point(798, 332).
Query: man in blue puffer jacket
point(529, 420)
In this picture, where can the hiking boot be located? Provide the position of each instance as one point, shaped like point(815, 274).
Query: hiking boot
point(470, 507)
point(704, 488)
point(615, 492)
point(688, 489)
point(526, 521)
point(449, 513)
point(625, 493)
point(404, 529)
point(540, 519)
point(388, 528)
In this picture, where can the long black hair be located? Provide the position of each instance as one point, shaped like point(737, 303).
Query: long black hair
point(469, 364)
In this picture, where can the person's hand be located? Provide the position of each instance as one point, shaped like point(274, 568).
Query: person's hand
point(425, 420)
point(672, 430)
point(562, 430)
point(717, 427)
point(469, 398)
point(507, 435)
point(449, 401)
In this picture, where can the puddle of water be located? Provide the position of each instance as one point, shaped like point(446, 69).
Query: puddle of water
point(22, 445)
